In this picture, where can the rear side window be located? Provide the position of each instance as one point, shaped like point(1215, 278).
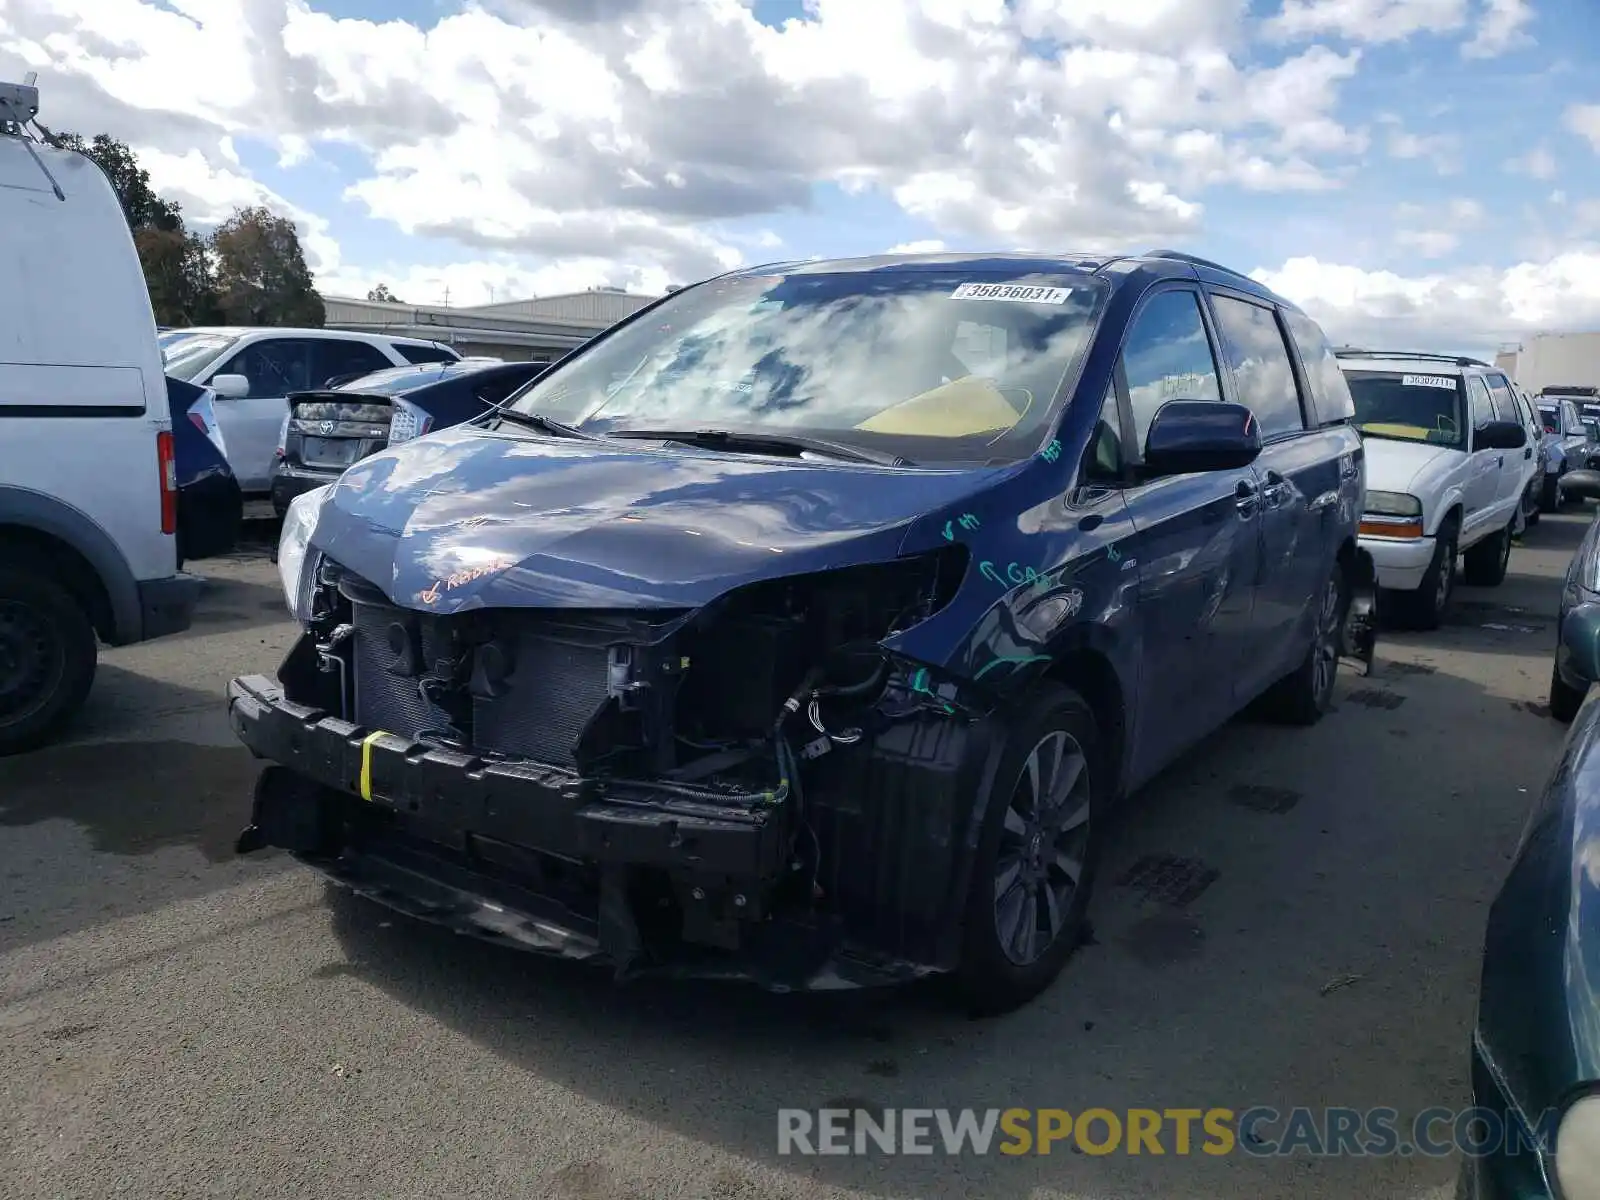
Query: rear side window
point(1330, 394)
point(336, 357)
point(1550, 421)
point(1253, 344)
point(424, 354)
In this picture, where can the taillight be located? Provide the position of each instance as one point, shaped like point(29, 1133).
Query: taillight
point(199, 422)
point(169, 482)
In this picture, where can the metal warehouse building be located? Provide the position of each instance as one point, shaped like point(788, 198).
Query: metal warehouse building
point(537, 330)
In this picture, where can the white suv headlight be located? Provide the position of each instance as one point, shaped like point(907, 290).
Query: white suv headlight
point(1393, 504)
point(299, 523)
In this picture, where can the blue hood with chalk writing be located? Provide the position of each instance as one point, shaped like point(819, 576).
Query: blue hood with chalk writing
point(470, 518)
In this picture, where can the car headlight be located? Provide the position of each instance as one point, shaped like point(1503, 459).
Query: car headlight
point(1578, 1150)
point(408, 421)
point(1393, 504)
point(294, 543)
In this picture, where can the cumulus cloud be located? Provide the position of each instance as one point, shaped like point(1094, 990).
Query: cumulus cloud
point(559, 144)
point(630, 131)
point(1473, 310)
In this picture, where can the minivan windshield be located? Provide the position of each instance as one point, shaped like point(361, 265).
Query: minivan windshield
point(1407, 407)
point(929, 365)
point(186, 356)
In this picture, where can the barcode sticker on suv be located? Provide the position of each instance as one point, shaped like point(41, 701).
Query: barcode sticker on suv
point(1015, 292)
point(1438, 381)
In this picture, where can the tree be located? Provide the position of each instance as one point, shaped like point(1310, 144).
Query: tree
point(382, 292)
point(261, 272)
point(143, 208)
point(177, 269)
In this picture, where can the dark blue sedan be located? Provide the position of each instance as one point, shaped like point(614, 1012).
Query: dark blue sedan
point(805, 626)
point(350, 418)
point(1536, 1045)
point(210, 503)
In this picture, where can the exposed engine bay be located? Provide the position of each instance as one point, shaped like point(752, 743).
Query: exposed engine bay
point(723, 712)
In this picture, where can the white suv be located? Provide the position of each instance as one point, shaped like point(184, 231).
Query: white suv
point(253, 369)
point(1448, 462)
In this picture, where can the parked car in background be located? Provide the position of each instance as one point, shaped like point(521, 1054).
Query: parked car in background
point(1568, 682)
point(1448, 463)
point(210, 504)
point(806, 626)
point(88, 498)
point(253, 370)
point(328, 429)
point(1541, 455)
point(1566, 443)
point(1535, 1056)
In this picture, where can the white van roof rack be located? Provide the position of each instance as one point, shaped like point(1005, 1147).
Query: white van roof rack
point(19, 108)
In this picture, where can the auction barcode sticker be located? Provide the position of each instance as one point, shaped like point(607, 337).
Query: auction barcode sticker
point(1438, 381)
point(1016, 292)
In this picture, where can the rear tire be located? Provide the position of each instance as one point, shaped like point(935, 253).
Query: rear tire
point(47, 658)
point(1304, 695)
point(1565, 701)
point(1426, 607)
point(1485, 565)
point(1023, 921)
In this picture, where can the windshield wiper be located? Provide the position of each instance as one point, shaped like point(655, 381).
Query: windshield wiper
point(543, 423)
point(765, 443)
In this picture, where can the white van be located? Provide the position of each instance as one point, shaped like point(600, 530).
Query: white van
point(88, 496)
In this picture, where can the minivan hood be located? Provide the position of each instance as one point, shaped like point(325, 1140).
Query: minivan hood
point(1393, 466)
point(469, 518)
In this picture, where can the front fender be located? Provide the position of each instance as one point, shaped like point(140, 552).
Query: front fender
point(1450, 498)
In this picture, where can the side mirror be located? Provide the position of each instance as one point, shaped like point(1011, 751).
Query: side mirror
point(230, 387)
point(1580, 641)
point(1201, 435)
point(1501, 435)
point(1583, 484)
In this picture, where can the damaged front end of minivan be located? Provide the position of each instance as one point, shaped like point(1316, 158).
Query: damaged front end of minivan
point(755, 788)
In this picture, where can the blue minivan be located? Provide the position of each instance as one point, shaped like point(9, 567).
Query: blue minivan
point(805, 626)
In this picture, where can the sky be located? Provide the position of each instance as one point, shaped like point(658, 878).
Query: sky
point(1424, 172)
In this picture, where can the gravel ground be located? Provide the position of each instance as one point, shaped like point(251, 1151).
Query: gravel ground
point(177, 1022)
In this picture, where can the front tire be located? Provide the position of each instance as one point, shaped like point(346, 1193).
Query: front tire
point(47, 659)
point(1550, 492)
point(1033, 872)
point(1565, 701)
point(1426, 607)
point(1303, 696)
point(1485, 565)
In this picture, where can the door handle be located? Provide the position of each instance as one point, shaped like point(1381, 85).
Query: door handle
point(1245, 498)
point(1277, 489)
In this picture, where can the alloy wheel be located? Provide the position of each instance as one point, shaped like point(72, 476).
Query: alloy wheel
point(1325, 650)
point(1044, 846)
point(28, 656)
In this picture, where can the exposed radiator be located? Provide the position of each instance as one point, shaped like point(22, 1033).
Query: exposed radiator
point(385, 700)
point(555, 689)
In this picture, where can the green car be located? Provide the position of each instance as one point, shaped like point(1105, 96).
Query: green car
point(1536, 1047)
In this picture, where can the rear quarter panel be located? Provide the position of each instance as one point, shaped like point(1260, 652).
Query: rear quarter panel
point(82, 394)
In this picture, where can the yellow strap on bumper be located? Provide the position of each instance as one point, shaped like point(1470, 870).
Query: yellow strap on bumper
point(366, 764)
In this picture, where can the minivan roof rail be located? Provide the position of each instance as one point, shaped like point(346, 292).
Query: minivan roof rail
point(1426, 355)
point(1194, 260)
